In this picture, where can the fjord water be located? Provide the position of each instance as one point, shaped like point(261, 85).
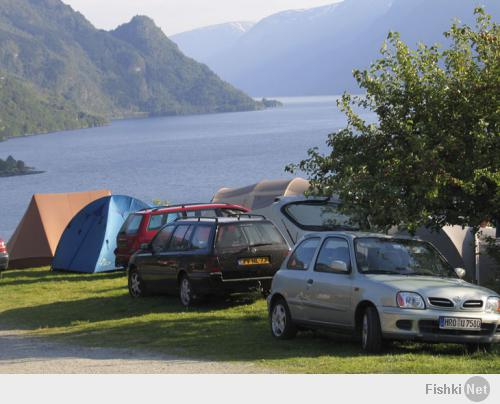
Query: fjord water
point(179, 159)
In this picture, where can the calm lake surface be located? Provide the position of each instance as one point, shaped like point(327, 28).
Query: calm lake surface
point(179, 159)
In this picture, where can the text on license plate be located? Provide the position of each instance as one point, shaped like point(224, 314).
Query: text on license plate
point(459, 323)
point(254, 261)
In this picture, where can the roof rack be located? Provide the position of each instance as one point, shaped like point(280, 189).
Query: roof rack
point(184, 205)
point(248, 215)
point(197, 218)
point(216, 218)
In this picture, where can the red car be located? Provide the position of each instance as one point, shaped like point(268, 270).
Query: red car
point(140, 227)
point(4, 256)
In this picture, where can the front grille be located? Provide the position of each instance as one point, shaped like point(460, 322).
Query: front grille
point(432, 327)
point(440, 302)
point(473, 304)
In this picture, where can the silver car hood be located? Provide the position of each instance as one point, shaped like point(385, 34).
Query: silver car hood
point(430, 286)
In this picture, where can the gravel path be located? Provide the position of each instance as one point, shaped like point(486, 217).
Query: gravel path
point(20, 353)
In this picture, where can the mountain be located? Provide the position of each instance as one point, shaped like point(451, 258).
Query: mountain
point(313, 52)
point(26, 110)
point(202, 43)
point(132, 70)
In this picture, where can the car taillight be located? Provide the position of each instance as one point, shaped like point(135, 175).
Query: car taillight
point(2, 247)
point(213, 265)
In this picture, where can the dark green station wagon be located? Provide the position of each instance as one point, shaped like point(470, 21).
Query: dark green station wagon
point(197, 257)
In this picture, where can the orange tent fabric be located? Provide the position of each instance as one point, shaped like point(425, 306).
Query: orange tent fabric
point(35, 240)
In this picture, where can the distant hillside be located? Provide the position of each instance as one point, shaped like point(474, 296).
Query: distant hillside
point(203, 43)
point(313, 52)
point(133, 70)
point(25, 110)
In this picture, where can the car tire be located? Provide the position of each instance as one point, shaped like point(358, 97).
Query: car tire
point(478, 347)
point(186, 294)
point(136, 287)
point(280, 320)
point(371, 334)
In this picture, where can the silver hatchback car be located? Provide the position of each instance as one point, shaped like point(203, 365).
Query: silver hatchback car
point(380, 288)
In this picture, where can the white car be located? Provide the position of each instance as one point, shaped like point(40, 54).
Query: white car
point(380, 288)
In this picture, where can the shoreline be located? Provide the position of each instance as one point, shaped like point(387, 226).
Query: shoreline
point(33, 172)
point(145, 115)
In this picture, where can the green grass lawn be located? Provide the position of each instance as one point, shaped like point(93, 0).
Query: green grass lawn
point(96, 310)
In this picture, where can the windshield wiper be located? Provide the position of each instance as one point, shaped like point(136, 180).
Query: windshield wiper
point(381, 271)
point(260, 244)
point(340, 227)
point(427, 274)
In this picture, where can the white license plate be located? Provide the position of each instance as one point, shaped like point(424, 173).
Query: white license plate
point(459, 323)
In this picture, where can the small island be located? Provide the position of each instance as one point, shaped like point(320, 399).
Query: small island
point(271, 103)
point(10, 167)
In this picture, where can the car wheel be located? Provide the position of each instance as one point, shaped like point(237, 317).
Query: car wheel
point(478, 347)
point(371, 335)
point(136, 286)
point(282, 326)
point(186, 294)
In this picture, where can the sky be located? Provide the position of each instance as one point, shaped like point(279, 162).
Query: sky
point(175, 16)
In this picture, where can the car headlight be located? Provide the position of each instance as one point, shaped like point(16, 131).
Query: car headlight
point(410, 300)
point(493, 305)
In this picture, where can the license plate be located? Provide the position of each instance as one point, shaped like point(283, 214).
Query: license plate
point(459, 323)
point(254, 261)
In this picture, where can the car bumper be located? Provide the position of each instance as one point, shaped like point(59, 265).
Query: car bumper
point(423, 325)
point(122, 260)
point(215, 284)
point(4, 261)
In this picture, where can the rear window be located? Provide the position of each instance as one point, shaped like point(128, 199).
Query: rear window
point(158, 221)
point(201, 237)
point(318, 216)
point(132, 224)
point(214, 212)
point(180, 238)
point(160, 242)
point(248, 234)
point(303, 254)
point(202, 213)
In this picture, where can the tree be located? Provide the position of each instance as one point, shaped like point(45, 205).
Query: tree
point(432, 156)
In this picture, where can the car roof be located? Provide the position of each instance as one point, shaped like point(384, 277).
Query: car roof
point(358, 234)
point(190, 207)
point(289, 199)
point(243, 218)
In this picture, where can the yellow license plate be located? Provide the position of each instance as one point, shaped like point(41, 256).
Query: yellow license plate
point(254, 261)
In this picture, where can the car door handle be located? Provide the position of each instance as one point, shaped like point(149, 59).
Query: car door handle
point(310, 281)
point(162, 262)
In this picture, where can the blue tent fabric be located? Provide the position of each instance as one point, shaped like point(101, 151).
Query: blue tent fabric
point(89, 241)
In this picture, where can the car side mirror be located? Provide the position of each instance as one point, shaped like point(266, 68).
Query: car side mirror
point(460, 272)
point(339, 266)
point(145, 246)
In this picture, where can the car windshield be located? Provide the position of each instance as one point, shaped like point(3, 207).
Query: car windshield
point(400, 257)
point(319, 216)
